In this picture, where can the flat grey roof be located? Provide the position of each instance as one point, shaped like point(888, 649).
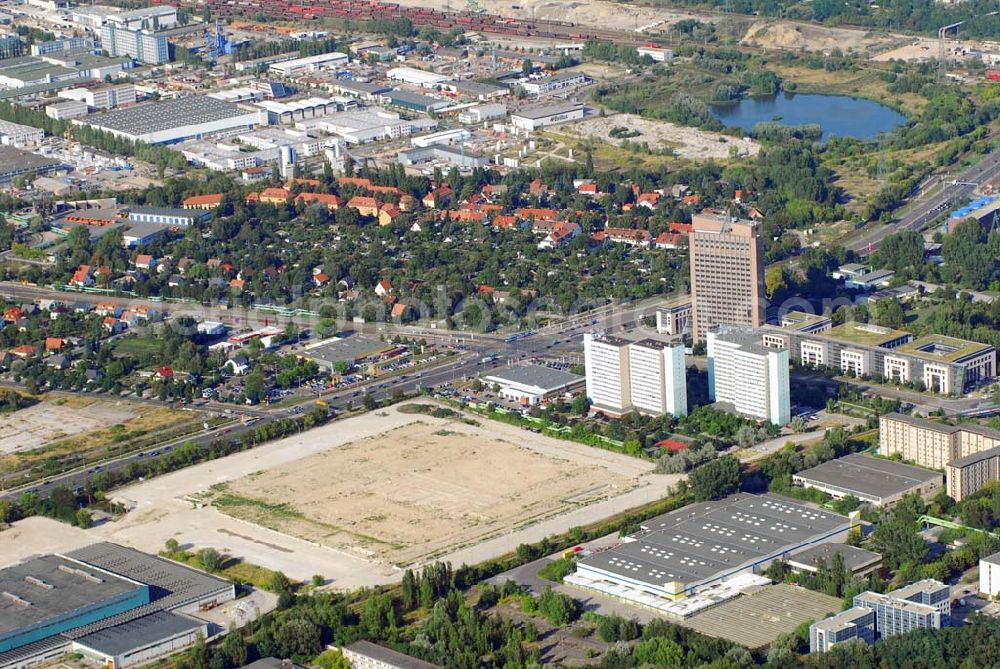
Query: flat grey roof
point(854, 558)
point(388, 656)
point(171, 585)
point(14, 160)
point(49, 586)
point(869, 477)
point(271, 663)
point(536, 375)
point(546, 111)
point(352, 347)
point(166, 115)
point(975, 457)
point(703, 540)
point(138, 633)
point(921, 422)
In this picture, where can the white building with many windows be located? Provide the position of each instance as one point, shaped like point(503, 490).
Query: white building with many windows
point(647, 376)
point(606, 362)
point(989, 575)
point(657, 378)
point(748, 377)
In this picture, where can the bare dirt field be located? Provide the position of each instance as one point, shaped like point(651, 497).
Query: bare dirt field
point(661, 135)
point(165, 507)
point(49, 421)
point(417, 492)
point(808, 37)
point(658, 20)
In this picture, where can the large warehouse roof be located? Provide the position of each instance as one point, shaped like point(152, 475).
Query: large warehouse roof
point(537, 376)
point(867, 477)
point(50, 586)
point(708, 539)
point(172, 585)
point(134, 634)
point(166, 115)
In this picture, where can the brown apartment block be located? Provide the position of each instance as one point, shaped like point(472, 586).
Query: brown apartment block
point(727, 273)
point(969, 454)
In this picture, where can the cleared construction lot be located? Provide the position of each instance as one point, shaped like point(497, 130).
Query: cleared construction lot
point(52, 420)
point(419, 491)
point(457, 476)
point(757, 619)
point(661, 135)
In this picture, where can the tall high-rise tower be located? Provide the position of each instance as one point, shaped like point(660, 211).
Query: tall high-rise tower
point(727, 273)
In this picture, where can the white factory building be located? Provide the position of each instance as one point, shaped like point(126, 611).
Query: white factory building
point(482, 113)
point(176, 120)
point(17, 135)
point(299, 66)
point(416, 77)
point(647, 376)
point(747, 377)
point(370, 124)
point(540, 117)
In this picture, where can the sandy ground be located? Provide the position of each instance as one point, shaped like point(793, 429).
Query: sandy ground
point(686, 142)
point(38, 535)
point(416, 492)
point(657, 20)
point(47, 421)
point(808, 37)
point(164, 508)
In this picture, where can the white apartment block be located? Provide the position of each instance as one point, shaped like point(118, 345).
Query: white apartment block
point(656, 378)
point(748, 376)
point(106, 97)
point(144, 47)
point(606, 361)
point(647, 376)
point(989, 575)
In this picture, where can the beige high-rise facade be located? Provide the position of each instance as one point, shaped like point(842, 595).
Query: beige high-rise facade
point(727, 273)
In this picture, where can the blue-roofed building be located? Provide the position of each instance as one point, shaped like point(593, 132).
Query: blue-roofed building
point(983, 209)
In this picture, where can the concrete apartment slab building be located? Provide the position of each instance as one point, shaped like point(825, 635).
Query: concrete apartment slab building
point(368, 655)
point(878, 481)
point(989, 575)
point(679, 553)
point(968, 453)
point(746, 377)
point(533, 384)
point(860, 561)
point(172, 121)
point(647, 376)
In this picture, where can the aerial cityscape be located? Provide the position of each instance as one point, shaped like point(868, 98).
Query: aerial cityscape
point(472, 334)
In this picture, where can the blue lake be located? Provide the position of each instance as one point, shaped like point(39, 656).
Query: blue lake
point(838, 115)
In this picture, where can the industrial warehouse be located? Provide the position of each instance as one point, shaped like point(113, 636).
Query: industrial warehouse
point(112, 604)
point(689, 553)
point(172, 121)
point(878, 481)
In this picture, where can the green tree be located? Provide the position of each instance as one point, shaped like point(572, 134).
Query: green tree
point(715, 479)
point(210, 559)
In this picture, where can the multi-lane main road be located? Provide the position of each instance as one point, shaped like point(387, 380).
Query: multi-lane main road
point(955, 191)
